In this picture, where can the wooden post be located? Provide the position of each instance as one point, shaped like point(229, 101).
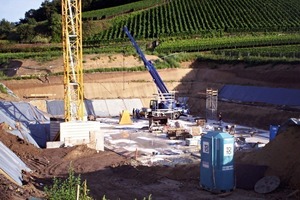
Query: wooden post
point(78, 192)
point(136, 153)
point(84, 188)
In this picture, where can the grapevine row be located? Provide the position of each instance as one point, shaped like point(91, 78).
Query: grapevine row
point(291, 51)
point(224, 43)
point(183, 18)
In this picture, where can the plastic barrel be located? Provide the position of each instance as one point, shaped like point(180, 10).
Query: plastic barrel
point(273, 131)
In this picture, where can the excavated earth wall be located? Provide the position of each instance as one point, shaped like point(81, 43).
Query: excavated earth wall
point(191, 80)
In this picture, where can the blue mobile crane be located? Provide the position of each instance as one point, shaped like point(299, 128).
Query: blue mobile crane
point(166, 104)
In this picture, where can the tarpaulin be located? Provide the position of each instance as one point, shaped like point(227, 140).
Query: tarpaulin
point(255, 94)
point(98, 107)
point(11, 164)
point(27, 121)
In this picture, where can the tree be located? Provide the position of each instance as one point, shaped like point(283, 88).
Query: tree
point(30, 14)
point(26, 32)
point(86, 4)
point(41, 14)
point(48, 8)
point(55, 27)
point(5, 28)
point(31, 21)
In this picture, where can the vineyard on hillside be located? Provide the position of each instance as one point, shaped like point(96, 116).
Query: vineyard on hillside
point(243, 30)
point(291, 51)
point(207, 18)
point(118, 10)
point(204, 44)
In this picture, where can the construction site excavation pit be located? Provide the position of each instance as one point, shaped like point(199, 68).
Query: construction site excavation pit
point(137, 162)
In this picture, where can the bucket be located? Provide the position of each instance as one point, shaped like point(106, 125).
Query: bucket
point(273, 131)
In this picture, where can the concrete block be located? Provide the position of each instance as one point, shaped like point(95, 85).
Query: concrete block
point(194, 141)
point(191, 142)
point(196, 130)
point(69, 141)
point(52, 145)
point(96, 140)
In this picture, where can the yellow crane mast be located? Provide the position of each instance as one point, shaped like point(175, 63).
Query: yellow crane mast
point(72, 59)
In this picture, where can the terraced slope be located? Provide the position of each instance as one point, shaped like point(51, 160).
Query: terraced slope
point(207, 17)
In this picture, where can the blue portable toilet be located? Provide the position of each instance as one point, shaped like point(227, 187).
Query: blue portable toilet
point(216, 165)
point(273, 131)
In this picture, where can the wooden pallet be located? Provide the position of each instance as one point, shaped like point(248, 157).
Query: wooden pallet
point(177, 133)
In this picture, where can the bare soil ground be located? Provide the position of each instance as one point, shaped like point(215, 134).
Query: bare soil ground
point(117, 177)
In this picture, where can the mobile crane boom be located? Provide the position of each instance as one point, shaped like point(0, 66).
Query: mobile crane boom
point(150, 67)
point(167, 103)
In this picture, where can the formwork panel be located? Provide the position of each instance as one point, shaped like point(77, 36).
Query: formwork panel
point(56, 108)
point(115, 106)
point(100, 108)
point(130, 104)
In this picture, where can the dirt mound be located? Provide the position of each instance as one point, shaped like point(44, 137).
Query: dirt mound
point(29, 154)
point(79, 152)
point(281, 155)
point(21, 148)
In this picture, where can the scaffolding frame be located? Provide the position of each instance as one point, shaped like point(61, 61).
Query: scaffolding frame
point(211, 104)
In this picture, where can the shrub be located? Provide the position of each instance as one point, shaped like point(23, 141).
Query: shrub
point(3, 89)
point(67, 189)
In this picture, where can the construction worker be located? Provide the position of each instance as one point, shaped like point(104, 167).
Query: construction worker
point(137, 113)
point(232, 129)
point(220, 118)
point(133, 113)
point(47, 78)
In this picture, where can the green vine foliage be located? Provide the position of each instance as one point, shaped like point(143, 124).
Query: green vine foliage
point(67, 189)
point(3, 89)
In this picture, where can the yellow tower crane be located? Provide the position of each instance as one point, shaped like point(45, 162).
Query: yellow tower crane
point(72, 55)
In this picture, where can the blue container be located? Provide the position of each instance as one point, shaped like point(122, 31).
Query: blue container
point(273, 131)
point(217, 166)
